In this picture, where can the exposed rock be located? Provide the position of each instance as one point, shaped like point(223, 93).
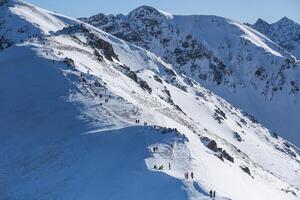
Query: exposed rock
point(145, 86)
point(237, 136)
point(246, 170)
point(157, 78)
point(133, 76)
point(107, 48)
point(69, 61)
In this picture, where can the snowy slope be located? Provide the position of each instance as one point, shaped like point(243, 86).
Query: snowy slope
point(229, 58)
point(69, 104)
point(284, 32)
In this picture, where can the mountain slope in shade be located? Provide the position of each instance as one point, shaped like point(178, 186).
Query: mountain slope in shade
point(69, 103)
point(229, 58)
point(284, 32)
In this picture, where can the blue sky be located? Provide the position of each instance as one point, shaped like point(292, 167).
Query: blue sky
point(243, 10)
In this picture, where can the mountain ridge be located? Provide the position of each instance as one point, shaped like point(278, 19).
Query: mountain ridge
point(224, 56)
point(85, 109)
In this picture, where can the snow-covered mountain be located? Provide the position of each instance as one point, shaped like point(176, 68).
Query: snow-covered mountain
point(229, 58)
point(284, 32)
point(85, 115)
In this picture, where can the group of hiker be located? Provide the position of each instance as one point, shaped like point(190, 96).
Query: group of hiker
point(158, 168)
point(186, 175)
point(137, 121)
point(161, 167)
point(212, 194)
point(97, 84)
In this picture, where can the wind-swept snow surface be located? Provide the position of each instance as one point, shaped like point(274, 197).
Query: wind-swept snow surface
point(85, 115)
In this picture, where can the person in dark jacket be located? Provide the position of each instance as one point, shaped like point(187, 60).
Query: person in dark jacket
point(211, 194)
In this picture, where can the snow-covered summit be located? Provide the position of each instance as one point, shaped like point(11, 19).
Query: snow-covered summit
point(87, 115)
point(233, 60)
point(148, 11)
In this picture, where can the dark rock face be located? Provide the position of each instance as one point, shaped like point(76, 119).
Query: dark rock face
point(212, 145)
point(250, 117)
point(246, 170)
point(219, 152)
point(237, 136)
point(145, 86)
point(157, 79)
point(274, 135)
point(107, 48)
point(98, 55)
point(133, 76)
point(98, 44)
point(219, 115)
point(69, 61)
point(226, 155)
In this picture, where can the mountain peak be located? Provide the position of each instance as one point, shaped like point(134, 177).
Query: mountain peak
point(146, 11)
point(261, 21)
point(262, 25)
point(285, 20)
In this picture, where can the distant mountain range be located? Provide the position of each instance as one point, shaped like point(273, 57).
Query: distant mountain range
point(285, 32)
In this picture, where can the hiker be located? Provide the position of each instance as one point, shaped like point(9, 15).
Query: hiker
point(169, 166)
point(155, 167)
point(214, 194)
point(192, 175)
point(106, 100)
point(154, 149)
point(211, 194)
point(186, 175)
point(161, 167)
point(100, 96)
